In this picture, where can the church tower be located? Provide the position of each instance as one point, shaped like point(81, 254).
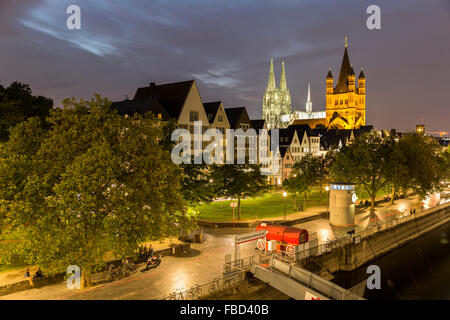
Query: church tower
point(276, 101)
point(345, 103)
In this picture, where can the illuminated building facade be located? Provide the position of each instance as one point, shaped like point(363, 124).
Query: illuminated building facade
point(346, 103)
point(277, 104)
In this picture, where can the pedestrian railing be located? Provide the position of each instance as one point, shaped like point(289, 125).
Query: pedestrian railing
point(212, 288)
point(314, 250)
point(313, 281)
point(246, 263)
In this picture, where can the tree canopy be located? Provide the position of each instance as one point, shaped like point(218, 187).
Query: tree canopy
point(365, 162)
point(238, 181)
point(17, 103)
point(310, 171)
point(95, 182)
point(412, 162)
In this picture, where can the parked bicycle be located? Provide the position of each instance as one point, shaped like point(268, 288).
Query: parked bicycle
point(121, 271)
point(215, 286)
point(194, 293)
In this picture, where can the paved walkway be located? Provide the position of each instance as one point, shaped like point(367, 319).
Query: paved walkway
point(310, 212)
point(383, 212)
point(202, 264)
point(18, 275)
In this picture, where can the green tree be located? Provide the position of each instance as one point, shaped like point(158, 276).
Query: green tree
point(94, 183)
point(364, 162)
point(396, 170)
point(238, 181)
point(314, 171)
point(17, 103)
point(197, 183)
point(295, 185)
point(422, 163)
point(446, 163)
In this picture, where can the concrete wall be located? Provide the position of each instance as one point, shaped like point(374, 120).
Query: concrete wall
point(351, 256)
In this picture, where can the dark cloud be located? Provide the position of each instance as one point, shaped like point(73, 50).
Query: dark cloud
point(227, 46)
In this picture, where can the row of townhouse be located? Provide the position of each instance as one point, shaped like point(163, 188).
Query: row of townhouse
point(296, 141)
point(182, 101)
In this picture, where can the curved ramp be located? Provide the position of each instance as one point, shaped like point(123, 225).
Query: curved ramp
point(299, 283)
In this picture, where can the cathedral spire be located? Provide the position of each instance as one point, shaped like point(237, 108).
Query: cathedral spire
point(309, 93)
point(308, 101)
point(346, 70)
point(271, 85)
point(283, 85)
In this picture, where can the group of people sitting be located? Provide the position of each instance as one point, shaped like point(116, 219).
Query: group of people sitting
point(30, 277)
point(366, 203)
point(396, 197)
point(146, 252)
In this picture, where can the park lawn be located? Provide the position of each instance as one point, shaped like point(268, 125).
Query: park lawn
point(267, 206)
point(365, 195)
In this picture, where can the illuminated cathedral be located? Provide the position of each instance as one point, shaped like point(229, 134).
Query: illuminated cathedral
point(345, 103)
point(277, 101)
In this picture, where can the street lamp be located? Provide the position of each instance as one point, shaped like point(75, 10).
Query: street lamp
point(284, 196)
point(327, 188)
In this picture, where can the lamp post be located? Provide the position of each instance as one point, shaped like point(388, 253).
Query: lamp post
point(327, 188)
point(284, 196)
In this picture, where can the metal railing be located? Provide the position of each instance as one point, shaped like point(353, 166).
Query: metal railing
point(246, 263)
point(313, 281)
point(212, 288)
point(329, 246)
point(400, 220)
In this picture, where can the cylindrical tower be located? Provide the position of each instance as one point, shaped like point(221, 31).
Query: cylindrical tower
point(342, 204)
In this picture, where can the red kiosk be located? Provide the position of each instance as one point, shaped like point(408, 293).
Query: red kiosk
point(286, 237)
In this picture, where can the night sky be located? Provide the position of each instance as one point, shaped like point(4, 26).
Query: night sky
point(227, 45)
